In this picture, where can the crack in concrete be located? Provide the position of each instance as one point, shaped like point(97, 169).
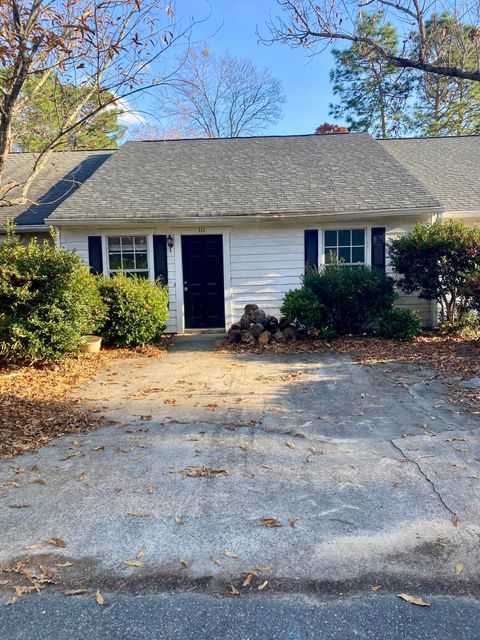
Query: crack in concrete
point(429, 480)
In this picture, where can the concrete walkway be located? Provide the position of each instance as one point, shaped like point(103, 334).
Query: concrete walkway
point(373, 475)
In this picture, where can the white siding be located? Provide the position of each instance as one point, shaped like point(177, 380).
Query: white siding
point(265, 263)
point(411, 301)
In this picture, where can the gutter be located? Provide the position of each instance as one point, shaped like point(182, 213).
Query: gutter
point(247, 216)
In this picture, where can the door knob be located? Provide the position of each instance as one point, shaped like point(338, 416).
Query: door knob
point(185, 288)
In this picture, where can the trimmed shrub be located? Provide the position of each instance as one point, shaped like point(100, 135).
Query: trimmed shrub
point(302, 309)
point(439, 261)
point(48, 300)
point(399, 324)
point(137, 310)
point(353, 297)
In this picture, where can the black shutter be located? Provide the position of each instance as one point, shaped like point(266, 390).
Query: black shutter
point(378, 247)
point(311, 248)
point(160, 258)
point(95, 257)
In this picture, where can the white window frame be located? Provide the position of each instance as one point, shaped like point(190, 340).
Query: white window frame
point(126, 234)
point(342, 227)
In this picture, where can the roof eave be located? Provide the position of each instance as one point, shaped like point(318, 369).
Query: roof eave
point(377, 213)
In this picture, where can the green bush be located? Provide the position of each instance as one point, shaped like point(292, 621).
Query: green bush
point(48, 300)
point(303, 310)
point(399, 324)
point(439, 261)
point(137, 310)
point(467, 325)
point(353, 297)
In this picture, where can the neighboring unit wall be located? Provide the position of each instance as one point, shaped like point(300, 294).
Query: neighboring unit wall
point(412, 301)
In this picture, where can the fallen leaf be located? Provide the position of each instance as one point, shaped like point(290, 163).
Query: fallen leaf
point(455, 520)
point(178, 520)
point(290, 445)
point(99, 598)
point(48, 573)
point(375, 587)
point(140, 552)
point(269, 522)
point(75, 592)
point(234, 591)
point(413, 600)
point(204, 472)
point(38, 481)
point(249, 577)
point(36, 545)
point(133, 563)
point(19, 505)
point(56, 542)
point(264, 567)
point(82, 476)
point(459, 568)
point(184, 562)
point(217, 561)
point(139, 514)
point(230, 554)
point(100, 448)
point(61, 565)
point(149, 488)
point(292, 522)
point(262, 586)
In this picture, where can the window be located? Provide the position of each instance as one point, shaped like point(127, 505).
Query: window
point(128, 254)
point(345, 245)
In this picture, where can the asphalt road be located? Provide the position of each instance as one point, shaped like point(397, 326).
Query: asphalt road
point(195, 617)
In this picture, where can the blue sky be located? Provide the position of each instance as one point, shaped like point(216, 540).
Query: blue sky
point(305, 79)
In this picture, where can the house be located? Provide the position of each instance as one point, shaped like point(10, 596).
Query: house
point(226, 222)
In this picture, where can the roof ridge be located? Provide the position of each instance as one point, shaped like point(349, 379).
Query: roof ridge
point(259, 137)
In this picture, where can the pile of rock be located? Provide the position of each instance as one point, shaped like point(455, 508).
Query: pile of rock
point(256, 326)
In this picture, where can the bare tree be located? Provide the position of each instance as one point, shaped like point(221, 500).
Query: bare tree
point(221, 97)
point(315, 25)
point(105, 49)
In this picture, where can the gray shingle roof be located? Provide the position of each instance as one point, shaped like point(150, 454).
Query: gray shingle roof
point(448, 167)
point(178, 179)
point(64, 173)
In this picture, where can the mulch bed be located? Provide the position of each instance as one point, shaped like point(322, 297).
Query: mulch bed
point(36, 404)
point(453, 358)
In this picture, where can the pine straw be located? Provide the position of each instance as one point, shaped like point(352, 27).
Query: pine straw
point(36, 404)
point(453, 358)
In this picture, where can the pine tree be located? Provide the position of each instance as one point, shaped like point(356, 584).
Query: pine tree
point(373, 94)
point(44, 110)
point(447, 106)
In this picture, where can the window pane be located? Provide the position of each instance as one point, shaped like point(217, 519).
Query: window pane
point(114, 244)
point(128, 261)
point(330, 255)
point(358, 236)
point(140, 243)
point(330, 238)
point(141, 261)
point(344, 254)
point(115, 261)
point(358, 254)
point(344, 238)
point(127, 243)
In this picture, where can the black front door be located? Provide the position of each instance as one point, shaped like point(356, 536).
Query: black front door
point(203, 282)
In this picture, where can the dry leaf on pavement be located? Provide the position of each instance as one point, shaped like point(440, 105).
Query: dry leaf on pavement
point(184, 562)
point(56, 542)
point(375, 587)
point(139, 514)
point(459, 567)
point(455, 520)
point(269, 522)
point(75, 592)
point(262, 586)
point(413, 600)
point(290, 445)
point(178, 520)
point(133, 563)
point(230, 554)
point(99, 598)
point(140, 552)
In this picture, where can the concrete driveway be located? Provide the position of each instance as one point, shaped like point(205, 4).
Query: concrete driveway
point(372, 474)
